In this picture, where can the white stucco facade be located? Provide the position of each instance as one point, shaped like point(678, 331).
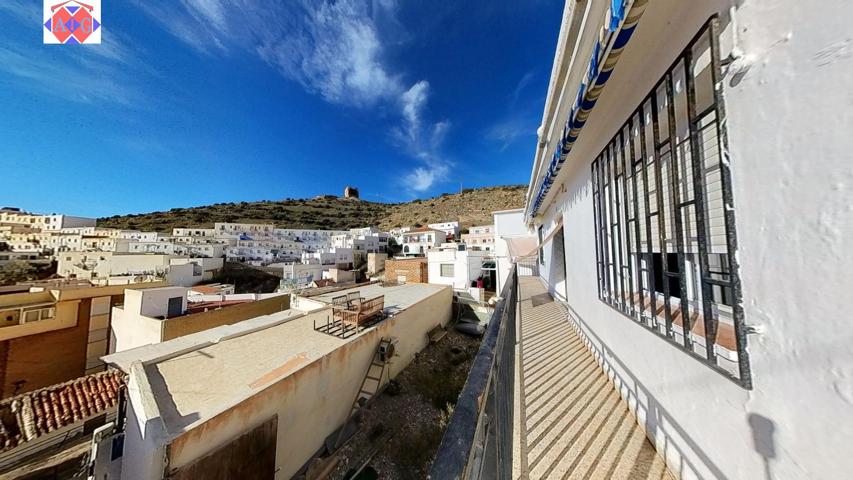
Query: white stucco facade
point(454, 267)
point(786, 105)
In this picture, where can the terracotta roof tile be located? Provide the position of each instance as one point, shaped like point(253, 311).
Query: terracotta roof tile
point(207, 290)
point(421, 230)
point(28, 416)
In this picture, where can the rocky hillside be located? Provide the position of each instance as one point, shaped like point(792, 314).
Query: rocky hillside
point(471, 207)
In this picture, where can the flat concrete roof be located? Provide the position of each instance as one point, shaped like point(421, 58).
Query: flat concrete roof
point(397, 297)
point(241, 360)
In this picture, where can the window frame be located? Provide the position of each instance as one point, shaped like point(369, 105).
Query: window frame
point(647, 146)
point(441, 270)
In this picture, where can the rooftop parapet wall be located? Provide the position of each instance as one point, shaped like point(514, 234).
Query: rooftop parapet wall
point(312, 397)
point(197, 322)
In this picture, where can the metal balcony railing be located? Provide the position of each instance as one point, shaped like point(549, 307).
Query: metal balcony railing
point(478, 440)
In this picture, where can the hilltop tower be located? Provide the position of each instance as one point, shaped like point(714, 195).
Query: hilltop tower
point(350, 192)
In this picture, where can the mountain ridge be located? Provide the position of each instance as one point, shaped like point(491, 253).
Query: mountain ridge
point(470, 207)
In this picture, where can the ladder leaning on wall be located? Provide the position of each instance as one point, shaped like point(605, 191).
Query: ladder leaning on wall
point(371, 384)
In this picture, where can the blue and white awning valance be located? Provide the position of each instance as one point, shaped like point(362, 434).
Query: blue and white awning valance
point(621, 23)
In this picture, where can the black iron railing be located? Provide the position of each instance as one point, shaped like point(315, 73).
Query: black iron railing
point(664, 214)
point(478, 440)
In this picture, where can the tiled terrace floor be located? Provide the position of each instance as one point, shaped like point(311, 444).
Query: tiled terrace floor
point(573, 423)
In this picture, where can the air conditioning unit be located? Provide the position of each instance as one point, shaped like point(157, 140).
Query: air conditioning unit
point(387, 350)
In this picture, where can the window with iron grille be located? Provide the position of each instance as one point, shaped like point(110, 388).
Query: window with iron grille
point(664, 218)
point(446, 270)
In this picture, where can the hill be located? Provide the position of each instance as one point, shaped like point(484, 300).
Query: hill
point(470, 207)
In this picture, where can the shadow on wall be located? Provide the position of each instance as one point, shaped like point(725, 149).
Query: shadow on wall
point(763, 439)
point(658, 421)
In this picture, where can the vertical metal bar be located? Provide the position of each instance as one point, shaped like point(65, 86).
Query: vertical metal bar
point(629, 305)
point(617, 227)
point(661, 212)
point(698, 164)
point(650, 268)
point(593, 182)
point(728, 208)
point(675, 199)
point(596, 197)
point(602, 202)
point(611, 250)
point(605, 255)
point(637, 243)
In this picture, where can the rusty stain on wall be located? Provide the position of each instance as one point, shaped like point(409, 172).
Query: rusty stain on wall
point(291, 364)
point(305, 398)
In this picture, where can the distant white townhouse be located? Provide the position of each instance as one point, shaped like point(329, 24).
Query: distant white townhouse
point(194, 232)
point(418, 241)
point(44, 222)
point(246, 228)
point(449, 228)
point(480, 237)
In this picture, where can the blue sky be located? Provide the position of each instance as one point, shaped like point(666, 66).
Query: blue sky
point(192, 102)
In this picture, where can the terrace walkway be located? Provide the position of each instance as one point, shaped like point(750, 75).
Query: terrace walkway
point(572, 422)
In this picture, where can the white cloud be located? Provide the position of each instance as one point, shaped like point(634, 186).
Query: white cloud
point(421, 179)
point(331, 48)
point(413, 101)
point(423, 143)
point(91, 73)
point(207, 12)
point(525, 80)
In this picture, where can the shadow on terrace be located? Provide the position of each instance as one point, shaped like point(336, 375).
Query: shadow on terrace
point(550, 411)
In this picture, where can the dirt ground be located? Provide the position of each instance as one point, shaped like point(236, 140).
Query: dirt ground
point(405, 424)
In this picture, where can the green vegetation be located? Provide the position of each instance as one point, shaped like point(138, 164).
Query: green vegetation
point(471, 207)
point(248, 279)
point(21, 271)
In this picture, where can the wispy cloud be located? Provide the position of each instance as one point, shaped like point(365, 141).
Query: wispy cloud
point(508, 130)
point(519, 87)
point(86, 74)
point(519, 122)
point(420, 141)
point(75, 80)
point(22, 10)
point(333, 49)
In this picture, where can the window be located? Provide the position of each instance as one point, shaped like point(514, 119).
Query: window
point(447, 270)
point(664, 217)
point(541, 251)
point(38, 314)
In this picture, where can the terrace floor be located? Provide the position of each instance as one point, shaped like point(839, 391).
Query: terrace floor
point(572, 422)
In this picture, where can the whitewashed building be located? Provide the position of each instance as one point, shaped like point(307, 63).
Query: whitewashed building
point(223, 228)
point(690, 195)
point(451, 229)
point(418, 241)
point(52, 222)
point(454, 266)
point(480, 237)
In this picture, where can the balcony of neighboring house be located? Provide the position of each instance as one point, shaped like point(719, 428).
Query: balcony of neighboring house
point(548, 408)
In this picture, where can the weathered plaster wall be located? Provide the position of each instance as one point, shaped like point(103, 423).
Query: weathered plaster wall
point(313, 401)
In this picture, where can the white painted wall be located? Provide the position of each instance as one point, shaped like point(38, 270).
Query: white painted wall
point(792, 179)
point(508, 223)
point(129, 329)
point(467, 266)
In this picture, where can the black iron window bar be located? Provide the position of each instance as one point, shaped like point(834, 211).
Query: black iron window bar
point(664, 217)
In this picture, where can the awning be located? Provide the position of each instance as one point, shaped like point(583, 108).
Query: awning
point(521, 246)
point(621, 24)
